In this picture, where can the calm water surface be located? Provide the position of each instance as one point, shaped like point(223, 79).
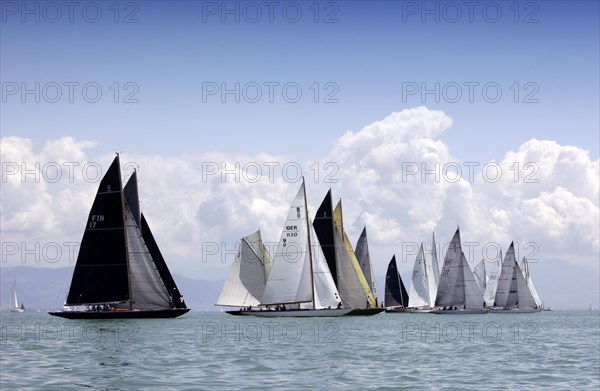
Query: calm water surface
point(212, 350)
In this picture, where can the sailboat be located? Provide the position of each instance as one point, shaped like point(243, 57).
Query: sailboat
point(396, 298)
point(351, 275)
point(300, 283)
point(248, 275)
point(120, 271)
point(513, 295)
point(425, 280)
point(419, 296)
point(14, 302)
point(354, 288)
point(458, 292)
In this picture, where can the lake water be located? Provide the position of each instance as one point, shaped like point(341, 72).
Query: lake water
point(213, 350)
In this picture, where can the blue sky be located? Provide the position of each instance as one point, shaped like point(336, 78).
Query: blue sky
point(159, 107)
point(367, 55)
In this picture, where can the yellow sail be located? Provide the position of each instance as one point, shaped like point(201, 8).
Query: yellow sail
point(337, 218)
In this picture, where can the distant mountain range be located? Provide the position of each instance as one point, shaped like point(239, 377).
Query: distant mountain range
point(560, 284)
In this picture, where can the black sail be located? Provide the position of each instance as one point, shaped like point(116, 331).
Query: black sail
point(100, 273)
point(395, 292)
point(160, 264)
point(130, 192)
point(324, 226)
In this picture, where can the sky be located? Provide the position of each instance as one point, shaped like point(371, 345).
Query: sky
point(420, 116)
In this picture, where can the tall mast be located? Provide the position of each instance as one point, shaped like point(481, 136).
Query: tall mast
point(125, 233)
point(312, 282)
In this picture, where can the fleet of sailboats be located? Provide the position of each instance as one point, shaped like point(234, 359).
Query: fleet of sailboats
point(120, 271)
point(315, 271)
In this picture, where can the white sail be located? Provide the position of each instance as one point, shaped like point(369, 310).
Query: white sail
point(14, 301)
point(492, 274)
point(525, 299)
point(419, 290)
point(246, 280)
point(534, 293)
point(473, 293)
point(457, 282)
point(451, 283)
point(505, 280)
point(148, 291)
point(479, 272)
point(290, 278)
point(433, 272)
point(325, 293)
point(364, 259)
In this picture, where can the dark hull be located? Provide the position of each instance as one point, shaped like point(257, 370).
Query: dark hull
point(166, 313)
point(397, 310)
point(365, 311)
point(238, 313)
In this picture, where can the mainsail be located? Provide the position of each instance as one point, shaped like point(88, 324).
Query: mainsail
point(480, 277)
point(101, 272)
point(534, 293)
point(324, 229)
point(247, 277)
point(505, 284)
point(395, 292)
point(351, 279)
point(419, 289)
point(14, 301)
point(364, 259)
point(457, 285)
point(493, 273)
point(433, 272)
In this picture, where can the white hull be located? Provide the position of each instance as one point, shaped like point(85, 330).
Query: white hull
point(459, 312)
point(297, 313)
point(18, 310)
point(516, 311)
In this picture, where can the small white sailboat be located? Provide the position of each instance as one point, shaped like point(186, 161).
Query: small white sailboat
point(14, 301)
point(248, 275)
point(299, 283)
point(458, 292)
